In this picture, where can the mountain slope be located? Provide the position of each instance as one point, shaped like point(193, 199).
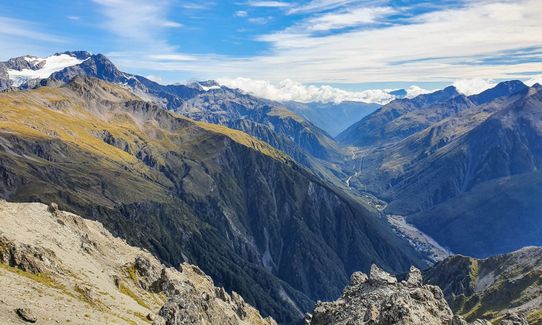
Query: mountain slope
point(471, 180)
point(190, 191)
point(63, 269)
point(398, 119)
point(491, 287)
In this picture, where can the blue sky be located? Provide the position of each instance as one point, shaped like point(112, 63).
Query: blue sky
point(353, 45)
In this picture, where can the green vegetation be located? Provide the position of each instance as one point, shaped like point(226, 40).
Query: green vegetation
point(40, 278)
point(125, 290)
point(535, 317)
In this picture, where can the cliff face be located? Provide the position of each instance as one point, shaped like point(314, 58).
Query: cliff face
point(247, 214)
point(57, 267)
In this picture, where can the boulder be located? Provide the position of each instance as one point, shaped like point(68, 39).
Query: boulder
point(26, 315)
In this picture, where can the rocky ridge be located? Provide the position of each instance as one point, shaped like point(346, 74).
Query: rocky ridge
point(56, 267)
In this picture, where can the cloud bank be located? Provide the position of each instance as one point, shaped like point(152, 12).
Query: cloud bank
point(289, 90)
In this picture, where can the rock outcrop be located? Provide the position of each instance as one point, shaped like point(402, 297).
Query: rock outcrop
point(380, 299)
point(56, 267)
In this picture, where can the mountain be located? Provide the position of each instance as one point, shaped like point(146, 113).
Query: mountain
point(492, 287)
point(404, 117)
point(332, 117)
point(56, 267)
point(471, 181)
point(267, 120)
point(398, 119)
point(27, 71)
point(187, 191)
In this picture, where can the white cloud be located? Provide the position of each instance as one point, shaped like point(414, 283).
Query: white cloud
point(473, 86)
point(74, 18)
point(534, 80)
point(260, 20)
point(322, 5)
point(19, 37)
point(241, 13)
point(173, 57)
point(444, 45)
point(354, 17)
point(414, 91)
point(269, 4)
point(289, 90)
point(138, 22)
point(155, 78)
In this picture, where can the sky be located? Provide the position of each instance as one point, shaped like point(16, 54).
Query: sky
point(274, 46)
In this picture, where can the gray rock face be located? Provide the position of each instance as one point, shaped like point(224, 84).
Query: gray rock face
point(381, 299)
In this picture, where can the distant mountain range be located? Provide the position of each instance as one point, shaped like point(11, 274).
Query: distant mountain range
point(464, 169)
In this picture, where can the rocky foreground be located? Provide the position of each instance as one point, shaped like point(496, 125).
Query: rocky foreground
point(58, 268)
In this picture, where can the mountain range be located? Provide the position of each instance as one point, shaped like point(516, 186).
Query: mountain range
point(261, 197)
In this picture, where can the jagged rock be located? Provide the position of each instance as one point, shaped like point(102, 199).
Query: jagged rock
point(383, 301)
point(513, 319)
point(358, 278)
point(379, 275)
point(26, 257)
point(414, 277)
point(307, 318)
point(26, 315)
point(151, 317)
point(87, 245)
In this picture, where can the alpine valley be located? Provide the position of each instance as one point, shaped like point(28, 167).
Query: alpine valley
point(135, 202)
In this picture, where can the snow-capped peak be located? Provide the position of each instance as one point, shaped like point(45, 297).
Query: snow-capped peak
point(42, 67)
point(205, 85)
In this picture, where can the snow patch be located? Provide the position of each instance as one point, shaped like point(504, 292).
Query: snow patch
point(207, 88)
point(51, 65)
